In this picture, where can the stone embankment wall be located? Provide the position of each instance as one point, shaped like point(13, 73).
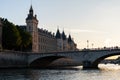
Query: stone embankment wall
point(13, 60)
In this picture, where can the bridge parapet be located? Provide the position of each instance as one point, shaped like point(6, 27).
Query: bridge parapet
point(104, 48)
point(83, 57)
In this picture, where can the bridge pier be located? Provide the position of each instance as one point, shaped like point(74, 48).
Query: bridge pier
point(89, 65)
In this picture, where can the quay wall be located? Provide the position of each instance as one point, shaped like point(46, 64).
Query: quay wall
point(13, 60)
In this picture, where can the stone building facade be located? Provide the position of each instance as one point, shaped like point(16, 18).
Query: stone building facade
point(32, 28)
point(43, 40)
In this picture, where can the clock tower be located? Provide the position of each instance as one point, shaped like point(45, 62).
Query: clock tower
point(32, 27)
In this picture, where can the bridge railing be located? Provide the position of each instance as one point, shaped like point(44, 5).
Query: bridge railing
point(98, 49)
point(85, 49)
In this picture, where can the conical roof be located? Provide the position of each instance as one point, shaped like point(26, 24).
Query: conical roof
point(30, 15)
point(63, 36)
point(69, 38)
point(58, 35)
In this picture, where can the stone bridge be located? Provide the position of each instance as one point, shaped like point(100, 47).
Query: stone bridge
point(86, 58)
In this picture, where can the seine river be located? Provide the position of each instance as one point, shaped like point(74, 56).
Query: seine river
point(106, 72)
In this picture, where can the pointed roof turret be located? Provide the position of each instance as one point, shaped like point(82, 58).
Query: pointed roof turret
point(31, 10)
point(31, 14)
point(69, 38)
point(58, 35)
point(63, 35)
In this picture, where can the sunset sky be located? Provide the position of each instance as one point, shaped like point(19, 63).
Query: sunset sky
point(95, 20)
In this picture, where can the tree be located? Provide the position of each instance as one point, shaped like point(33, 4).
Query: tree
point(26, 39)
point(15, 38)
point(11, 36)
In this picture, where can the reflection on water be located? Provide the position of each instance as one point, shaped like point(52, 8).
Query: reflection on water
point(13, 74)
point(110, 66)
point(107, 72)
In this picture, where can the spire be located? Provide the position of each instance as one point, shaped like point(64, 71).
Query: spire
point(58, 35)
point(31, 10)
point(69, 38)
point(63, 35)
point(31, 14)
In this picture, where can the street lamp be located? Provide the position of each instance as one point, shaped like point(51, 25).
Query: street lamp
point(92, 45)
point(87, 44)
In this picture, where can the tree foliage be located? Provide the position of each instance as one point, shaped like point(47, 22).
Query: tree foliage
point(25, 38)
point(14, 38)
point(11, 36)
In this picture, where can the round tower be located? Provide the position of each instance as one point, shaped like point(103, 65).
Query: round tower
point(32, 27)
point(59, 41)
point(64, 41)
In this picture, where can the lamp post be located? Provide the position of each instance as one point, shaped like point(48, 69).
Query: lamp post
point(87, 44)
point(92, 45)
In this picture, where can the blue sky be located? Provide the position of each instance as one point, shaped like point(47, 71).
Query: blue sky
point(95, 20)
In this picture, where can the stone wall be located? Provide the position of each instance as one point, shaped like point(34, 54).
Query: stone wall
point(13, 60)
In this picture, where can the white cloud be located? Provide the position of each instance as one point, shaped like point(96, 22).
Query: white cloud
point(84, 31)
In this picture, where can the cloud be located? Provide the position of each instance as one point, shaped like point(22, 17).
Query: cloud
point(85, 31)
point(80, 30)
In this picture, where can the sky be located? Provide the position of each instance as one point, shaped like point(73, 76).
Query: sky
point(96, 21)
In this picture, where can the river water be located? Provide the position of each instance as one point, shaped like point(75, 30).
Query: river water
point(106, 72)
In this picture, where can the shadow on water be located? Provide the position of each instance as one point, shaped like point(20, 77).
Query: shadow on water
point(61, 73)
point(14, 74)
point(48, 68)
point(34, 74)
point(57, 68)
point(91, 69)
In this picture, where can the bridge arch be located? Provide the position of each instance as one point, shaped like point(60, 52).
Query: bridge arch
point(98, 60)
point(45, 62)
